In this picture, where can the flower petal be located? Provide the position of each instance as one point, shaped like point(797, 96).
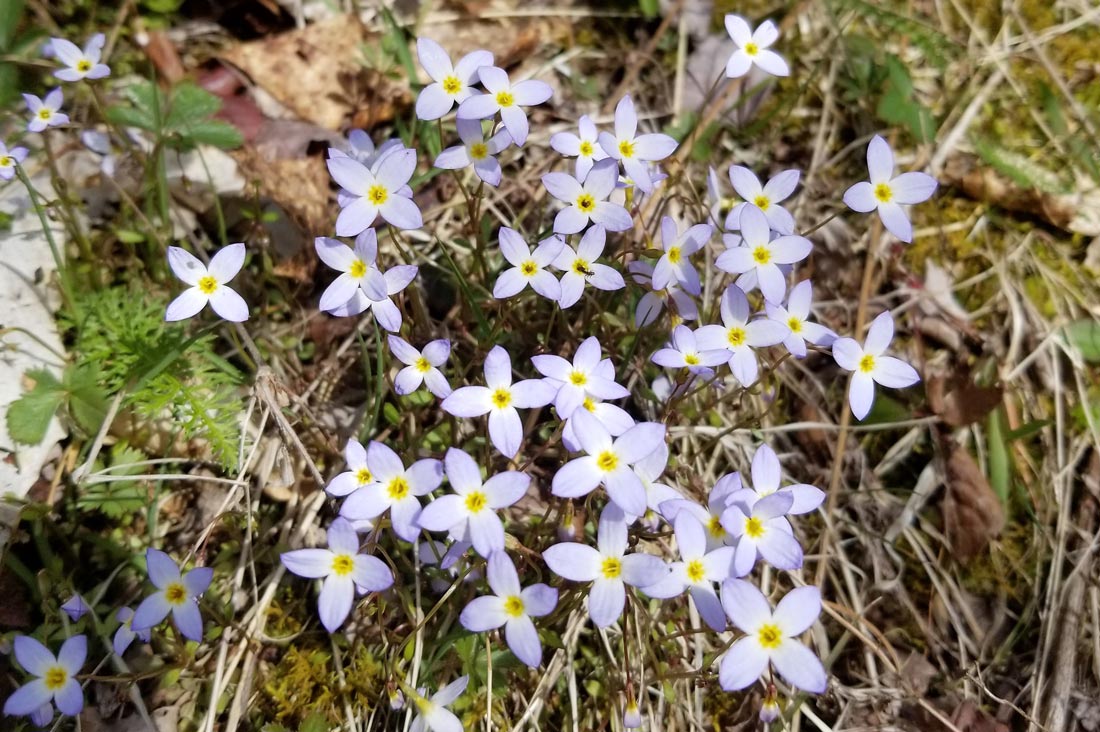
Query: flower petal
point(371, 573)
point(573, 561)
point(483, 613)
point(798, 665)
point(523, 640)
point(880, 160)
point(188, 620)
point(915, 187)
point(742, 665)
point(335, 601)
point(505, 431)
point(896, 221)
point(605, 601)
point(468, 401)
point(861, 197)
point(309, 563)
point(34, 657)
point(28, 698)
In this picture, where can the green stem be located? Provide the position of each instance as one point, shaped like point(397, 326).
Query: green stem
point(62, 272)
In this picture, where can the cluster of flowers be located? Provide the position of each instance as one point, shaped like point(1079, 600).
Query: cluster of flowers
point(718, 544)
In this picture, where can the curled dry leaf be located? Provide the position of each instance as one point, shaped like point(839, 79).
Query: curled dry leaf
point(958, 401)
point(972, 513)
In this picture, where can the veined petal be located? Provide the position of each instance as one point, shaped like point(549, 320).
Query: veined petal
point(643, 570)
point(653, 147)
point(486, 533)
point(185, 265)
point(847, 353)
point(605, 601)
point(462, 470)
point(335, 601)
point(523, 640)
point(504, 489)
point(894, 373)
point(229, 305)
point(879, 334)
point(401, 212)
point(797, 611)
point(531, 92)
point(469, 401)
point(766, 472)
point(639, 441)
point(34, 657)
point(310, 563)
point(442, 514)
point(861, 197)
point(745, 605)
point(861, 394)
point(371, 574)
point(573, 561)
point(798, 665)
point(356, 217)
point(188, 620)
point(433, 102)
point(742, 665)
point(896, 221)
point(577, 477)
point(539, 600)
point(780, 549)
point(915, 187)
point(162, 570)
point(483, 613)
point(28, 698)
point(709, 607)
point(433, 58)
point(880, 160)
point(505, 431)
point(197, 580)
point(626, 119)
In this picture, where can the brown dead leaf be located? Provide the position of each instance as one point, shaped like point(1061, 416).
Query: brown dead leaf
point(969, 717)
point(958, 401)
point(300, 186)
point(164, 56)
point(972, 512)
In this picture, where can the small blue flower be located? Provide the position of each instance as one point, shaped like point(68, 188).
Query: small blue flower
point(54, 679)
point(175, 595)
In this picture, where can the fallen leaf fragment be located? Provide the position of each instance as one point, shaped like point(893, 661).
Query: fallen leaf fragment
point(972, 513)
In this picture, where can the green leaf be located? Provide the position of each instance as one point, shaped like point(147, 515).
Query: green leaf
point(1084, 335)
point(315, 722)
point(190, 104)
point(1000, 467)
point(126, 116)
point(87, 400)
point(29, 416)
point(1023, 171)
point(214, 132)
point(10, 12)
point(650, 8)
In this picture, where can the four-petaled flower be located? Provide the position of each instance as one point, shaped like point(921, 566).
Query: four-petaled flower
point(696, 571)
point(710, 516)
point(80, 64)
point(358, 473)
point(528, 268)
point(762, 254)
point(207, 284)
point(685, 353)
point(761, 530)
point(608, 567)
point(500, 398)
point(585, 147)
point(421, 367)
point(507, 98)
point(580, 267)
point(368, 193)
point(450, 84)
point(739, 335)
point(55, 679)
point(385, 311)
point(175, 595)
point(794, 316)
point(635, 150)
point(45, 112)
point(9, 159)
point(766, 478)
point(432, 714)
point(475, 150)
point(574, 382)
point(653, 302)
point(511, 606)
point(752, 48)
point(673, 266)
point(344, 570)
point(395, 488)
point(356, 266)
point(587, 201)
point(470, 513)
point(888, 193)
point(870, 367)
point(125, 635)
point(766, 198)
point(771, 637)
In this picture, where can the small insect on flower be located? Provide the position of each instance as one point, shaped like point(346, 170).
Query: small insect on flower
point(450, 84)
point(870, 367)
point(475, 150)
point(528, 268)
point(752, 48)
point(421, 367)
point(581, 268)
point(739, 336)
point(511, 606)
point(499, 399)
point(887, 193)
point(507, 98)
point(608, 566)
point(762, 254)
point(771, 637)
point(394, 488)
point(470, 513)
point(587, 202)
point(75, 607)
point(794, 316)
point(651, 304)
point(576, 381)
point(80, 64)
point(9, 159)
point(674, 266)
point(45, 112)
point(207, 284)
point(585, 146)
point(766, 198)
point(608, 462)
point(685, 354)
point(125, 634)
point(370, 193)
point(632, 149)
point(432, 714)
point(175, 594)
point(356, 266)
point(344, 570)
point(55, 679)
point(761, 530)
point(766, 479)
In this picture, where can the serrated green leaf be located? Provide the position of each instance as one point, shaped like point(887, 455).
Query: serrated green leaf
point(87, 399)
point(131, 116)
point(1024, 172)
point(190, 104)
point(1084, 335)
point(214, 132)
point(29, 416)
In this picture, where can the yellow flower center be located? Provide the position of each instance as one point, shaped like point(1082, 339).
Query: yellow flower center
point(586, 149)
point(6, 161)
point(55, 678)
point(754, 527)
point(83, 65)
point(581, 267)
point(479, 151)
point(452, 85)
point(714, 526)
point(867, 363)
point(769, 636)
point(175, 593)
point(342, 564)
point(513, 605)
point(377, 194)
point(626, 149)
point(736, 337)
point(607, 461)
point(207, 285)
point(529, 268)
point(794, 324)
point(674, 255)
point(45, 114)
point(691, 359)
point(398, 488)
point(585, 202)
point(883, 193)
point(751, 48)
point(357, 269)
point(696, 571)
point(476, 501)
point(362, 476)
point(761, 255)
point(501, 398)
point(422, 365)
point(589, 404)
point(505, 99)
point(762, 202)
point(578, 378)
point(611, 568)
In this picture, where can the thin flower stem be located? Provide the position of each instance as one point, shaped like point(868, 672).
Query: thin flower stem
point(62, 188)
point(62, 272)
